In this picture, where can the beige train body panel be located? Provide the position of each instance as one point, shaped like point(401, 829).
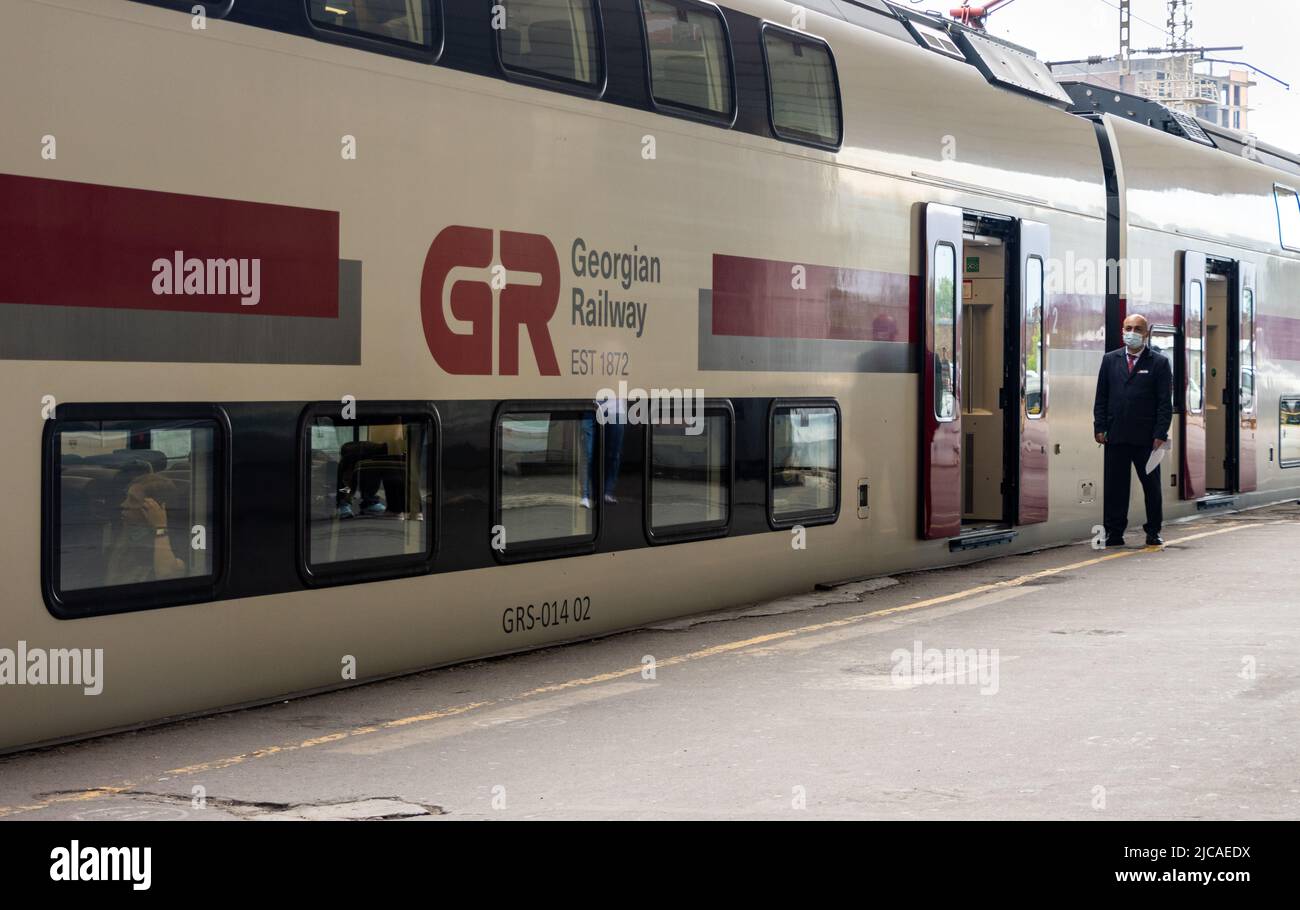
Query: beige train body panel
point(436, 147)
point(1182, 196)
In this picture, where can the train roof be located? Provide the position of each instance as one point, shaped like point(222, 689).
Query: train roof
point(1087, 98)
point(1001, 62)
point(1018, 69)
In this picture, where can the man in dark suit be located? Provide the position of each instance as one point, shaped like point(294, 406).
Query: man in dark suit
point(1131, 418)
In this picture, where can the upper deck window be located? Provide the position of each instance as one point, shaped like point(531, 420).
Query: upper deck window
point(690, 66)
point(551, 39)
point(1288, 216)
point(406, 21)
point(803, 86)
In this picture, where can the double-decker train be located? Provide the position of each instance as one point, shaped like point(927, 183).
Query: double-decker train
point(346, 338)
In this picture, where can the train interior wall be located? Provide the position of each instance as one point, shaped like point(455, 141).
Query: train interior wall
point(983, 418)
point(1217, 410)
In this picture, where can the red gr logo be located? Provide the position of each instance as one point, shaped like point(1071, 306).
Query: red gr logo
point(463, 257)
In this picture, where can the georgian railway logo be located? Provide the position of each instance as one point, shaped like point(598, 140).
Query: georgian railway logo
point(460, 287)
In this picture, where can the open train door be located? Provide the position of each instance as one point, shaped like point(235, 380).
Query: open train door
point(1247, 414)
point(940, 374)
point(1035, 242)
point(1192, 413)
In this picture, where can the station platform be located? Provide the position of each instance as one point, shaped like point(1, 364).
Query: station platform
point(1067, 683)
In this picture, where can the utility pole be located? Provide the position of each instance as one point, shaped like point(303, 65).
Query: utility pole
point(1176, 84)
point(1125, 40)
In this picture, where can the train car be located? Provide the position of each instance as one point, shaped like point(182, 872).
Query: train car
point(348, 338)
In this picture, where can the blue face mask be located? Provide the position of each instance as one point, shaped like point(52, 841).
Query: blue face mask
point(1132, 340)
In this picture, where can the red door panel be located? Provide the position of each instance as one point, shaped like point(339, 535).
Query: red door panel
point(1035, 243)
point(940, 421)
point(1192, 419)
point(1248, 408)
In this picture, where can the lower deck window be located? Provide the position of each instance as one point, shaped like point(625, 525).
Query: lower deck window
point(690, 476)
point(549, 486)
point(136, 503)
point(1289, 432)
point(805, 471)
point(370, 491)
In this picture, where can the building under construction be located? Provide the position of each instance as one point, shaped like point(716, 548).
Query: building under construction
point(1167, 74)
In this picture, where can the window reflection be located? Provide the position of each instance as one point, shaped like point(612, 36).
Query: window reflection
point(131, 493)
point(1289, 432)
point(805, 471)
point(1036, 348)
point(945, 331)
point(545, 481)
point(369, 492)
point(555, 38)
point(690, 476)
point(400, 20)
point(805, 101)
point(1195, 352)
point(688, 55)
point(1247, 351)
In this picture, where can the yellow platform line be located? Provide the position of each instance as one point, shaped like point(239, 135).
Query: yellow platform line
point(703, 653)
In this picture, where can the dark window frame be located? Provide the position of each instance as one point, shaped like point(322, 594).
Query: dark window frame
point(550, 547)
point(1200, 350)
point(810, 518)
point(797, 37)
point(1174, 351)
point(1252, 368)
point(1282, 462)
point(686, 111)
point(699, 530)
point(216, 9)
point(377, 568)
point(933, 297)
point(538, 79)
point(366, 41)
point(150, 595)
point(1277, 207)
point(1042, 340)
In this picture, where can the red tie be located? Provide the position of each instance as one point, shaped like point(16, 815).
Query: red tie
point(1131, 360)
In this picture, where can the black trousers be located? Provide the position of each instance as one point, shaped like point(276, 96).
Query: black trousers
point(1121, 460)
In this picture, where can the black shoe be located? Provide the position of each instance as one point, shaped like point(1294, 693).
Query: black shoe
point(1155, 540)
point(1114, 542)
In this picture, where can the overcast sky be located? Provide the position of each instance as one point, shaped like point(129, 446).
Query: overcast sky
point(1269, 31)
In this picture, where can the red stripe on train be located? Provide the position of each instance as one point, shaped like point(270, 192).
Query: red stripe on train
point(770, 299)
point(86, 245)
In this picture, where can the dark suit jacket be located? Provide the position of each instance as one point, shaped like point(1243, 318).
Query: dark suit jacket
point(1134, 408)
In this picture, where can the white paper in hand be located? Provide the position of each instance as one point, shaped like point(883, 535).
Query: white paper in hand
point(1157, 456)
